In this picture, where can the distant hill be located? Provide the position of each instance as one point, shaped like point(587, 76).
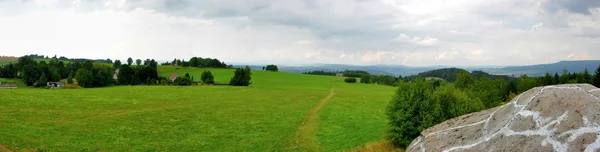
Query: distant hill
point(395, 70)
point(450, 74)
point(541, 69)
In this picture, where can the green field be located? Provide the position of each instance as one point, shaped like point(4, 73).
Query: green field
point(279, 112)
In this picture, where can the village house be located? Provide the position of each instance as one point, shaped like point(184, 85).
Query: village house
point(173, 76)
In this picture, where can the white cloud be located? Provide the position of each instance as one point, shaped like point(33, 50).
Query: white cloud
point(417, 41)
point(412, 32)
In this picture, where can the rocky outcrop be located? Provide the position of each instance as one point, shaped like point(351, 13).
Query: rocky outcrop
point(551, 118)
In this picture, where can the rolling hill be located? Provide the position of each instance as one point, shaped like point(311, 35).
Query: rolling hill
point(280, 111)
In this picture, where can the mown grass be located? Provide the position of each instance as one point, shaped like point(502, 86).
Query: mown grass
point(262, 117)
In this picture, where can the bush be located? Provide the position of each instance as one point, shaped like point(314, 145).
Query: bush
point(70, 79)
point(182, 81)
point(241, 77)
point(419, 105)
point(207, 78)
point(272, 68)
point(350, 80)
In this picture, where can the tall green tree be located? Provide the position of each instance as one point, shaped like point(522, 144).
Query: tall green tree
point(207, 78)
point(126, 75)
point(117, 64)
point(138, 62)
point(30, 74)
point(70, 79)
point(597, 77)
point(526, 83)
point(42, 82)
point(129, 61)
point(241, 77)
point(464, 80)
point(84, 78)
point(365, 79)
point(410, 112)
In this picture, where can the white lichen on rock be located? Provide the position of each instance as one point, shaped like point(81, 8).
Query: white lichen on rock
point(552, 118)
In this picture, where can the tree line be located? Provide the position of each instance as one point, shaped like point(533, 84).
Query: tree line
point(98, 74)
point(199, 62)
point(419, 103)
point(346, 73)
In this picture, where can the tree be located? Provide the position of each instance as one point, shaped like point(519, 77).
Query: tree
point(117, 64)
point(597, 77)
point(138, 62)
point(126, 75)
point(586, 77)
point(30, 74)
point(464, 80)
point(365, 79)
point(88, 65)
point(182, 81)
point(419, 105)
point(207, 77)
point(84, 78)
point(410, 112)
point(129, 61)
point(187, 75)
point(263, 68)
point(241, 77)
point(350, 80)
point(272, 68)
point(526, 83)
point(42, 82)
point(70, 79)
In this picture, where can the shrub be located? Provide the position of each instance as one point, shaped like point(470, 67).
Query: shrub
point(70, 79)
point(272, 68)
point(350, 80)
point(182, 81)
point(241, 77)
point(207, 77)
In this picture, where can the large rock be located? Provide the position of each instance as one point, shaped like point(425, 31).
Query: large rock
point(552, 118)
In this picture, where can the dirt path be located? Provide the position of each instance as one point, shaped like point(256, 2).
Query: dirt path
point(4, 149)
point(305, 135)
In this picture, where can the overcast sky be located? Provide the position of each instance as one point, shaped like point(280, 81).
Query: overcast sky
point(365, 32)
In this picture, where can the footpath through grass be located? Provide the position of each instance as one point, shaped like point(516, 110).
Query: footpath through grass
point(263, 117)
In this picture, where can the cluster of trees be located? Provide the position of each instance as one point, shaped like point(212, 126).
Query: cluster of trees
point(199, 62)
point(35, 73)
point(271, 68)
point(419, 104)
point(450, 74)
point(347, 73)
point(134, 75)
point(62, 58)
point(350, 80)
point(381, 79)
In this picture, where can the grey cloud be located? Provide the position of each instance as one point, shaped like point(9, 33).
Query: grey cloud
point(576, 6)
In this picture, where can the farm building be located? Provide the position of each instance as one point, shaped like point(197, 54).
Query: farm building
point(55, 84)
point(173, 76)
point(339, 74)
point(8, 85)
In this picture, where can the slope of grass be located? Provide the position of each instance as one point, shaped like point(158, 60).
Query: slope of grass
point(354, 116)
point(262, 117)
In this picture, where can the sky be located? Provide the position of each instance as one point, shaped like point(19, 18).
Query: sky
point(360, 32)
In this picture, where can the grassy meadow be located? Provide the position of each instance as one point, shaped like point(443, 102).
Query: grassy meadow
point(280, 111)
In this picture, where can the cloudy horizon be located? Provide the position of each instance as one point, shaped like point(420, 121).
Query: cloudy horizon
point(360, 32)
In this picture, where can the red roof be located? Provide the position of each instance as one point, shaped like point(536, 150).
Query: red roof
point(173, 76)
